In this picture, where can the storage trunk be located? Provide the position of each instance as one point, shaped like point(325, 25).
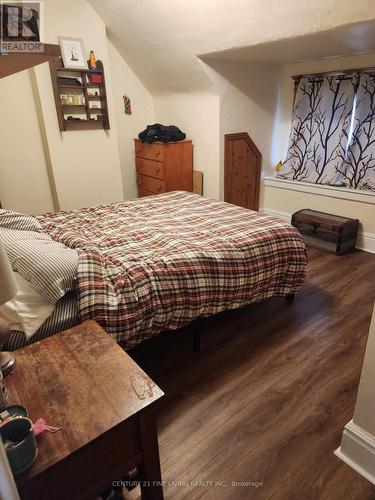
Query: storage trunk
point(328, 232)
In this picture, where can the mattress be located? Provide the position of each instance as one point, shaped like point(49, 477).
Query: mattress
point(64, 316)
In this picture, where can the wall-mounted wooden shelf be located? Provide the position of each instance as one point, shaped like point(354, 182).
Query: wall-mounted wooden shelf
point(76, 99)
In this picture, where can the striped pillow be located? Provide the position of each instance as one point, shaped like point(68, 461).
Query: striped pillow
point(16, 220)
point(48, 265)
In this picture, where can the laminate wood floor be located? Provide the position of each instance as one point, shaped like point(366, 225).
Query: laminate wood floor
point(267, 398)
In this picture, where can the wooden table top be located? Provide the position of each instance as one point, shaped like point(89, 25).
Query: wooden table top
point(82, 381)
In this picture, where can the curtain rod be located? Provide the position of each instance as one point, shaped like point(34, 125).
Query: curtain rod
point(336, 73)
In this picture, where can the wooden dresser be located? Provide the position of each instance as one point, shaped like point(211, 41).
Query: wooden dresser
point(163, 167)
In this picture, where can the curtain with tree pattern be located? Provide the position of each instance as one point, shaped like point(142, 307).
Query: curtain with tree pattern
point(332, 139)
point(358, 166)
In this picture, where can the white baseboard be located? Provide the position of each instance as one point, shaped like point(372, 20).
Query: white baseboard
point(365, 241)
point(283, 215)
point(358, 450)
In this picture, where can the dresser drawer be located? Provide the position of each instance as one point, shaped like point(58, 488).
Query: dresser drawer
point(149, 167)
point(142, 193)
point(146, 183)
point(149, 151)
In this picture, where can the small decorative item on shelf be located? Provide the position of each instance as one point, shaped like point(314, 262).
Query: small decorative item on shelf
point(72, 100)
point(92, 93)
point(92, 60)
point(69, 81)
point(95, 79)
point(72, 52)
point(278, 166)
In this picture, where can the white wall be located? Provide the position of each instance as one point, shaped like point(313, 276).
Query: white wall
point(364, 413)
point(86, 164)
point(249, 97)
point(125, 82)
point(165, 43)
point(83, 168)
point(24, 183)
point(358, 439)
point(91, 167)
point(244, 99)
point(196, 114)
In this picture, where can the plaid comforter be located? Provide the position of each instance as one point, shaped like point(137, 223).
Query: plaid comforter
point(159, 262)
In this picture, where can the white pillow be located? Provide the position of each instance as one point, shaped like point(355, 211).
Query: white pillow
point(28, 310)
point(48, 265)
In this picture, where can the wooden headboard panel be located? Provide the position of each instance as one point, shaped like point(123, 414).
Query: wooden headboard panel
point(12, 62)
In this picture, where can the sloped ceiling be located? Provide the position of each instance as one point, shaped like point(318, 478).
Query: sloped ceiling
point(345, 40)
point(162, 39)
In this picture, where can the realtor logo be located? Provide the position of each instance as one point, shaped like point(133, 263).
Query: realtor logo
point(20, 27)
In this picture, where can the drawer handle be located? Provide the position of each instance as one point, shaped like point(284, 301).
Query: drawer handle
point(157, 153)
point(160, 188)
point(157, 171)
point(140, 183)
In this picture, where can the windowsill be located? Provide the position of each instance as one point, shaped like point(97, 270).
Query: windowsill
point(321, 190)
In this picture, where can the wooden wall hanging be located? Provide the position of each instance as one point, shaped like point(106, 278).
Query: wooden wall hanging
point(80, 97)
point(13, 62)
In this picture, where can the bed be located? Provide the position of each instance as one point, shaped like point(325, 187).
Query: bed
point(158, 263)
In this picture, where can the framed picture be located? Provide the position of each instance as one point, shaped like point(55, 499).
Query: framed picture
point(73, 53)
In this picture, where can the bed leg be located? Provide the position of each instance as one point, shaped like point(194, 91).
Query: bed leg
point(196, 338)
point(290, 298)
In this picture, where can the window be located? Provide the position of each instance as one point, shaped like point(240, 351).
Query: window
point(332, 138)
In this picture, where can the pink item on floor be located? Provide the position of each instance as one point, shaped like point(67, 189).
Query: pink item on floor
point(41, 426)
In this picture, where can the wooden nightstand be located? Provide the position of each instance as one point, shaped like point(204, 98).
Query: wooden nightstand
point(84, 382)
